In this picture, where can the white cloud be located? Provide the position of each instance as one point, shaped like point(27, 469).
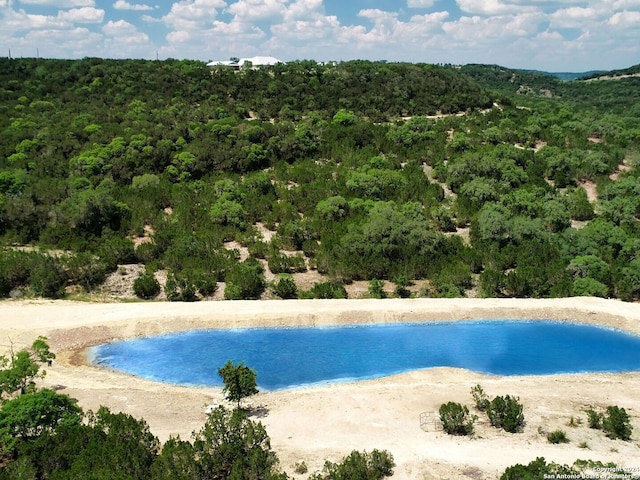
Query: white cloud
point(305, 9)
point(118, 28)
point(123, 33)
point(178, 37)
point(493, 7)
point(61, 3)
point(486, 30)
point(383, 21)
point(625, 20)
point(573, 17)
point(124, 5)
point(15, 21)
point(82, 15)
point(70, 43)
point(258, 9)
point(193, 14)
point(421, 3)
point(622, 4)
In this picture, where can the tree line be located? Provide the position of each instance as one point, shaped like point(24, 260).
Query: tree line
point(477, 179)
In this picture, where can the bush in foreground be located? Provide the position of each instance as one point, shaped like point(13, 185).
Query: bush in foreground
point(537, 469)
point(371, 466)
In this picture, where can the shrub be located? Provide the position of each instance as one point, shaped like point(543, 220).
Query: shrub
point(301, 468)
point(455, 419)
point(401, 287)
point(179, 289)
point(245, 281)
point(506, 412)
point(480, 398)
point(557, 436)
point(206, 283)
point(537, 469)
point(259, 249)
point(616, 424)
point(83, 269)
point(115, 251)
point(574, 422)
point(146, 286)
point(46, 278)
point(588, 287)
point(594, 419)
point(376, 289)
point(147, 253)
point(284, 264)
point(327, 290)
point(14, 270)
point(372, 466)
point(285, 287)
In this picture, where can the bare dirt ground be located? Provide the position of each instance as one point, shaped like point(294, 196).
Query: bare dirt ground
point(328, 422)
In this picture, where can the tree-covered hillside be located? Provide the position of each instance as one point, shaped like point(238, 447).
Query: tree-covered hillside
point(476, 180)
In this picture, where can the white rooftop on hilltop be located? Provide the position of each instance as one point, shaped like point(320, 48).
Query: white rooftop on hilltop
point(239, 63)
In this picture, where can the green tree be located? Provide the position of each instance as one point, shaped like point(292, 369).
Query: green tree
point(177, 461)
point(628, 285)
point(27, 416)
point(344, 117)
point(20, 369)
point(231, 446)
point(589, 266)
point(239, 381)
point(125, 447)
point(588, 287)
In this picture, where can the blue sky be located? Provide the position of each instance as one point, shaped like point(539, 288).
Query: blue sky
point(552, 35)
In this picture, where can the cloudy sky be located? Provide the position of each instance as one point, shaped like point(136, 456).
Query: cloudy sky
point(552, 35)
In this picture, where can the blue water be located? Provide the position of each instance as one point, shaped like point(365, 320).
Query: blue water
point(289, 357)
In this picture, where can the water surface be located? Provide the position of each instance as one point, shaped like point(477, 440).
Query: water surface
point(289, 357)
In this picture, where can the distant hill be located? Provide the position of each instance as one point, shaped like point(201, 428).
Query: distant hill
point(634, 70)
point(615, 96)
point(530, 82)
point(570, 76)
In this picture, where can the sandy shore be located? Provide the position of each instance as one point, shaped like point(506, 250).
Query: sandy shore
point(315, 424)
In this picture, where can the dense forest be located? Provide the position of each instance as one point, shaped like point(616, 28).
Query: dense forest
point(467, 181)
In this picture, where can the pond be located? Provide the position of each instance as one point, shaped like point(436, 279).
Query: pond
point(297, 356)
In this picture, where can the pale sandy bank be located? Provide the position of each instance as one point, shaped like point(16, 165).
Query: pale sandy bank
point(314, 424)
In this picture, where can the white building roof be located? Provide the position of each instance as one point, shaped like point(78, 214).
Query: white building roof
point(258, 61)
